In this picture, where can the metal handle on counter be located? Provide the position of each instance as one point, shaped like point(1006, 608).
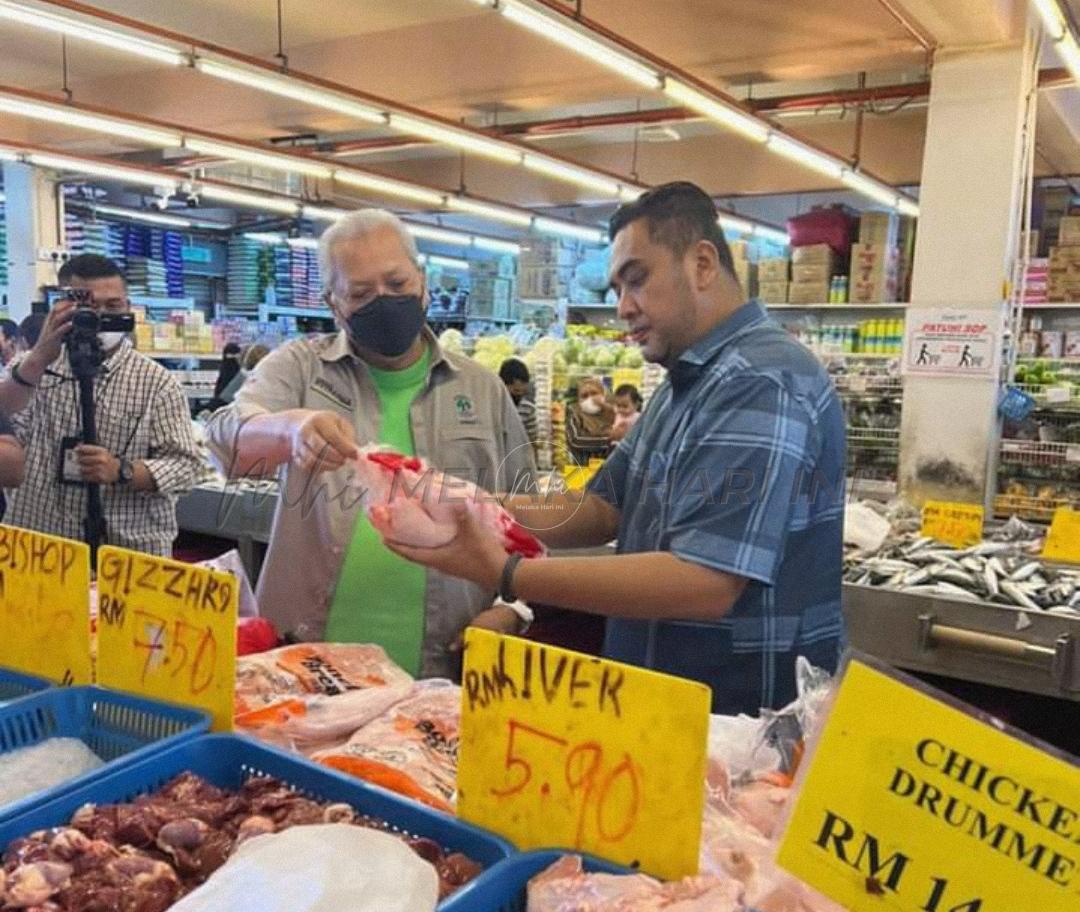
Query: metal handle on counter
point(1056, 659)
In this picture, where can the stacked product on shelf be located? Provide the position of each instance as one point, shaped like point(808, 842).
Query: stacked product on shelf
point(875, 259)
point(812, 269)
point(546, 268)
point(772, 275)
point(1063, 266)
point(492, 289)
point(250, 271)
point(746, 271)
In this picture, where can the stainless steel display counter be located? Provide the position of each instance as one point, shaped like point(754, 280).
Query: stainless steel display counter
point(1031, 651)
point(242, 513)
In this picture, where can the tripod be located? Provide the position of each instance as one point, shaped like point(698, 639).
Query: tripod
point(85, 357)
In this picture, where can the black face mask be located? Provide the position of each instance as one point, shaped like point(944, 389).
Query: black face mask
point(388, 325)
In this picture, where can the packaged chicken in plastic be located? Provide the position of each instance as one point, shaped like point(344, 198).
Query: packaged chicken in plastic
point(411, 749)
point(311, 668)
point(413, 504)
point(565, 887)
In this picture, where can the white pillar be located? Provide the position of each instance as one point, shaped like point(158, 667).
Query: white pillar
point(31, 212)
point(969, 224)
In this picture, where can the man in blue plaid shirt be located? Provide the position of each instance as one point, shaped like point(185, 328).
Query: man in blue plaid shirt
point(727, 497)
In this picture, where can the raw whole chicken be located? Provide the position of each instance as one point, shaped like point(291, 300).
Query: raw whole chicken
point(564, 887)
point(411, 503)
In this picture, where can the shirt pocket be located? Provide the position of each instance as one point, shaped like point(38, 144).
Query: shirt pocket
point(124, 433)
point(469, 453)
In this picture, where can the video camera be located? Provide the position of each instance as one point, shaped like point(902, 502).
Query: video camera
point(83, 345)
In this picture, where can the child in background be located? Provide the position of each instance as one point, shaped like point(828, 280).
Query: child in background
point(627, 411)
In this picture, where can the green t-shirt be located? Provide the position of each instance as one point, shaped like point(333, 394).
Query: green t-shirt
point(380, 597)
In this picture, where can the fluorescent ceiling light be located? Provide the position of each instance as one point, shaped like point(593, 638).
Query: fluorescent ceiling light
point(1053, 19)
point(322, 213)
point(85, 31)
point(725, 115)
point(1070, 55)
point(290, 87)
point(264, 237)
point(288, 163)
point(446, 262)
point(459, 139)
point(566, 229)
point(305, 243)
point(550, 26)
point(567, 172)
point(736, 224)
point(8, 156)
point(771, 234)
point(139, 215)
point(389, 186)
point(805, 156)
point(487, 210)
point(867, 186)
point(494, 245)
point(439, 235)
point(249, 200)
point(630, 194)
point(59, 114)
point(109, 172)
point(907, 207)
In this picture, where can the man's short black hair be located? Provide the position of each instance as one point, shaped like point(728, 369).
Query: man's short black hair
point(513, 369)
point(679, 215)
point(9, 329)
point(88, 266)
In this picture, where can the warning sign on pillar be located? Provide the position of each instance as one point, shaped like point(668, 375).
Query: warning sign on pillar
point(953, 342)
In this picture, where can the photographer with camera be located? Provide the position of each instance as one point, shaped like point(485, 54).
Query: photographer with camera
point(107, 431)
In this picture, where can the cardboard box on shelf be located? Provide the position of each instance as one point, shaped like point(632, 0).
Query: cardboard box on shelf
point(808, 292)
point(544, 282)
point(811, 272)
point(773, 292)
point(1072, 343)
point(874, 274)
point(820, 254)
point(879, 228)
point(773, 269)
point(1064, 258)
point(1069, 231)
point(747, 274)
point(1051, 344)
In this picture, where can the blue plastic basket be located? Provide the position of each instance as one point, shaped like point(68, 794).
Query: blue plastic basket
point(505, 888)
point(228, 761)
point(15, 684)
point(118, 727)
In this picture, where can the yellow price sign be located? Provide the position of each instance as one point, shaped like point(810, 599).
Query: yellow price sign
point(45, 599)
point(1063, 539)
point(957, 524)
point(924, 808)
point(167, 630)
point(563, 749)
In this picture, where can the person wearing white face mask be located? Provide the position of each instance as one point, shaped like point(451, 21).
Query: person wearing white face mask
point(589, 422)
point(145, 455)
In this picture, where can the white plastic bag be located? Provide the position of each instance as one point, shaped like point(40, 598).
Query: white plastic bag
point(230, 562)
point(320, 869)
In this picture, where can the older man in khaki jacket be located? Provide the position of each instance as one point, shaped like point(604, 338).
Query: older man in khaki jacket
point(382, 378)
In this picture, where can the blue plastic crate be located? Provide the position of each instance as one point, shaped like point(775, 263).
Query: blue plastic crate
point(15, 684)
point(228, 761)
point(504, 888)
point(118, 727)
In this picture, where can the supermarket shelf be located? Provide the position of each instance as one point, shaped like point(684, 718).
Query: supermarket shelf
point(1053, 305)
point(1038, 453)
point(861, 356)
point(1031, 359)
point(278, 310)
point(474, 318)
point(868, 307)
point(163, 303)
point(171, 356)
point(592, 306)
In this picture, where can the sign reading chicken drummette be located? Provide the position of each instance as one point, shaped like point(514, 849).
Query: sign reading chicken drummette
point(45, 605)
point(167, 630)
point(924, 808)
point(559, 749)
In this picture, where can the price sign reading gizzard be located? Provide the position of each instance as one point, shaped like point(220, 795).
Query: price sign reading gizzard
point(167, 630)
point(45, 605)
point(562, 749)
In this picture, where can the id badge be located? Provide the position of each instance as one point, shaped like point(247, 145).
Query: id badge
point(70, 473)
